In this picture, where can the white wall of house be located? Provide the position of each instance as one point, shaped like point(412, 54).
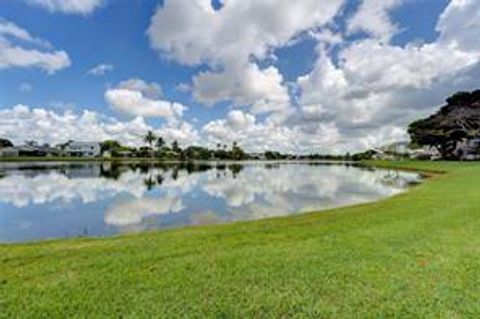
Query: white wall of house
point(83, 149)
point(9, 152)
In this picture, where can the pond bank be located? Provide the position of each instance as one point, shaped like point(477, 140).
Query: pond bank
point(413, 255)
point(92, 199)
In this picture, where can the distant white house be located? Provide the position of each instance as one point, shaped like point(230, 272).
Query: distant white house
point(468, 150)
point(392, 151)
point(83, 149)
point(426, 152)
point(9, 152)
point(397, 148)
point(403, 150)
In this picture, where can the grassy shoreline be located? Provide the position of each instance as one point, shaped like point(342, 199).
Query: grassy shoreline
point(412, 255)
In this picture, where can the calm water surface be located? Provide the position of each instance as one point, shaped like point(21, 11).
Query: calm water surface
point(57, 200)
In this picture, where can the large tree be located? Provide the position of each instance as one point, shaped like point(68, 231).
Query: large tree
point(458, 120)
point(5, 143)
point(237, 152)
point(110, 145)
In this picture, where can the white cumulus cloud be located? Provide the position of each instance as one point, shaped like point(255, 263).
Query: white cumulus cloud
point(16, 50)
point(68, 6)
point(263, 90)
point(193, 32)
point(376, 88)
point(243, 128)
point(139, 98)
point(100, 69)
point(21, 123)
point(373, 17)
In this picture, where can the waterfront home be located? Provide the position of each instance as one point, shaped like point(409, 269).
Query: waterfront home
point(32, 149)
point(9, 152)
point(426, 153)
point(82, 149)
point(400, 150)
point(23, 150)
point(468, 149)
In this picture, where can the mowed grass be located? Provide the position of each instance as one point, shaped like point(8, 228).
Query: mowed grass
point(413, 255)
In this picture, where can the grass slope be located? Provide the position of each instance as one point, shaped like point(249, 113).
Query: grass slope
point(414, 255)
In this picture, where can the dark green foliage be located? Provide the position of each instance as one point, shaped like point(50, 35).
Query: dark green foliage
point(271, 155)
point(5, 143)
point(110, 145)
point(464, 98)
point(364, 156)
point(237, 153)
point(197, 152)
point(176, 147)
point(221, 154)
point(458, 120)
point(160, 143)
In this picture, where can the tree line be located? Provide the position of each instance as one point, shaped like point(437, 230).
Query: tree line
point(157, 147)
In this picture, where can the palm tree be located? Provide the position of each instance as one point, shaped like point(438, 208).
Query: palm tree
point(160, 142)
point(159, 179)
point(176, 147)
point(149, 183)
point(149, 138)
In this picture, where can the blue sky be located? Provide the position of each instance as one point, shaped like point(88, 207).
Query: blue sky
point(114, 35)
point(313, 76)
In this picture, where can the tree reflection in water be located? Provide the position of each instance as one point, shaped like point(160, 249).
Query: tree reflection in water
point(136, 196)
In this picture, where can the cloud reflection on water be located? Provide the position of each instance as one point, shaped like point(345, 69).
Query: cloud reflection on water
point(144, 196)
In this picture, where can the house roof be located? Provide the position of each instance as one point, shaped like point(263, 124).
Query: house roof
point(83, 143)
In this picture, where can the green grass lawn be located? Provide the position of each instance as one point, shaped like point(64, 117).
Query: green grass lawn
point(413, 255)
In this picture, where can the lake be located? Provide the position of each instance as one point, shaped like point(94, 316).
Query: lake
point(59, 200)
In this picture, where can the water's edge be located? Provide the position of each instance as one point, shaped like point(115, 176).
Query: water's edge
point(223, 222)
